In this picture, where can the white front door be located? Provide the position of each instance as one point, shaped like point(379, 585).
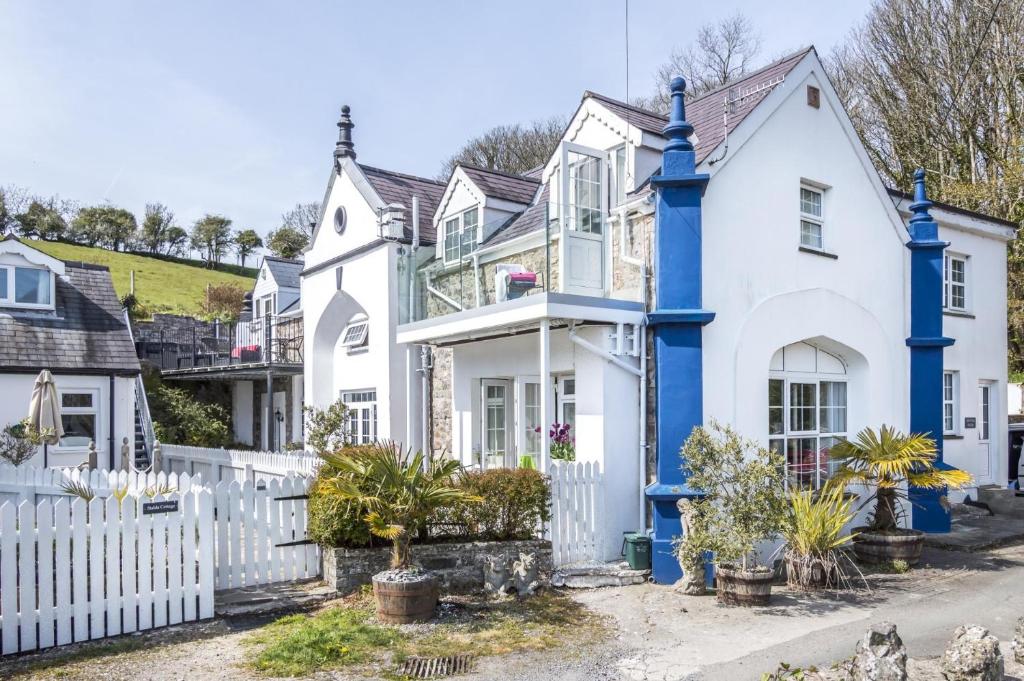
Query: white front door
point(496, 451)
point(986, 467)
point(583, 223)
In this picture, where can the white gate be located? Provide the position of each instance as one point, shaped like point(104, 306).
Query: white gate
point(261, 533)
point(73, 570)
point(577, 507)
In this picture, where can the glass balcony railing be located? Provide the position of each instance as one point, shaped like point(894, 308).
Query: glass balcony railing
point(468, 276)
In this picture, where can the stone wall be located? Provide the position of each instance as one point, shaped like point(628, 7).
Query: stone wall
point(441, 400)
point(460, 566)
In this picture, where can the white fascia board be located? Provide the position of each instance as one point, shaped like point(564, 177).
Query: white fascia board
point(592, 108)
point(961, 222)
point(449, 191)
point(32, 256)
point(797, 77)
point(499, 317)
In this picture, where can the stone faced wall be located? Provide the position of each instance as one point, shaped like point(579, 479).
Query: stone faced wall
point(460, 567)
point(441, 400)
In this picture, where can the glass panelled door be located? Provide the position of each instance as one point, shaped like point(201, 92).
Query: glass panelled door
point(530, 425)
point(986, 466)
point(584, 209)
point(494, 431)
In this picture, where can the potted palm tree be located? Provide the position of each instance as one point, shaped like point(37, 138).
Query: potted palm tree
point(743, 504)
point(888, 462)
point(398, 491)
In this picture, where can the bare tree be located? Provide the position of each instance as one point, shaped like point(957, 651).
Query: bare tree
point(949, 99)
point(302, 218)
point(510, 148)
point(724, 50)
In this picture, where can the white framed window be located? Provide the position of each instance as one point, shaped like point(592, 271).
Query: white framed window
point(617, 185)
point(494, 426)
point(585, 193)
point(812, 223)
point(566, 387)
point(461, 235)
point(950, 402)
point(985, 407)
point(362, 415)
point(954, 282)
point(79, 417)
point(29, 287)
point(355, 334)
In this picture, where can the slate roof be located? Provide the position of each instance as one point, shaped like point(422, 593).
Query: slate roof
point(528, 221)
point(285, 272)
point(395, 187)
point(499, 185)
point(86, 334)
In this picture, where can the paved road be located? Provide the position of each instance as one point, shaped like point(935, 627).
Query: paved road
point(664, 636)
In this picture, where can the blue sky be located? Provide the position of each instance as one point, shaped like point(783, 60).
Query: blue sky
point(230, 106)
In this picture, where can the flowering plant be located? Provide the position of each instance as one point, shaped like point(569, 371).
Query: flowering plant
point(563, 445)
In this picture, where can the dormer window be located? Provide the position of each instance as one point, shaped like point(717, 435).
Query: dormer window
point(29, 287)
point(460, 235)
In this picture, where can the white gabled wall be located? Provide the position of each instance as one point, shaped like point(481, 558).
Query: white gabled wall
point(766, 293)
point(370, 286)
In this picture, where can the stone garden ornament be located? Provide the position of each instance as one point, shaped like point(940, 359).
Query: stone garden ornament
point(972, 655)
point(502, 575)
point(692, 583)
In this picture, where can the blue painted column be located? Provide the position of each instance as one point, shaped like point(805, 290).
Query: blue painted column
point(926, 343)
point(677, 324)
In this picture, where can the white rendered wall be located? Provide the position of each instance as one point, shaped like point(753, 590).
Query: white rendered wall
point(1015, 398)
point(369, 287)
point(17, 391)
point(767, 294)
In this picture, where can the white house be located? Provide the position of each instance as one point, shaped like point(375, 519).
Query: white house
point(788, 315)
point(375, 226)
point(65, 317)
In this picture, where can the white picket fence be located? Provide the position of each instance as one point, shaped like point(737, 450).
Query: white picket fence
point(577, 510)
point(217, 465)
point(25, 483)
point(72, 570)
point(261, 533)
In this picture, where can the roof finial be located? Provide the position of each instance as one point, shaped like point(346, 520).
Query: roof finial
point(921, 204)
point(344, 147)
point(678, 129)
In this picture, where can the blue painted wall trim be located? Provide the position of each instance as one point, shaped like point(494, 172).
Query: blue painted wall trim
point(677, 324)
point(926, 343)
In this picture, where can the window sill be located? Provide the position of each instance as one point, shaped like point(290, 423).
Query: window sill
point(952, 436)
point(357, 351)
point(957, 313)
point(815, 251)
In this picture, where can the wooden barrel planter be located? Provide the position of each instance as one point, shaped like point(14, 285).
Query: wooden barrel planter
point(402, 602)
point(737, 587)
point(885, 547)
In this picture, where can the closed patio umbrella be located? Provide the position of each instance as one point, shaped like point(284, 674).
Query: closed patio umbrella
point(44, 412)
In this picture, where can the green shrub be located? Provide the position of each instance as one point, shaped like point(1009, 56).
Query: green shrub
point(515, 503)
point(181, 419)
point(334, 521)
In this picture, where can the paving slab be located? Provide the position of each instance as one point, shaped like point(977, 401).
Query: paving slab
point(978, 533)
point(268, 599)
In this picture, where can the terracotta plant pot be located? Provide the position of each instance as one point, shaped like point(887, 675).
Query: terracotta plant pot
point(409, 600)
point(743, 587)
point(885, 547)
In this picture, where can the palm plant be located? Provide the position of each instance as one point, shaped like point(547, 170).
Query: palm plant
point(397, 490)
point(815, 537)
point(885, 461)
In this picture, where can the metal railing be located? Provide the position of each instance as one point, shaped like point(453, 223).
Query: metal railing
point(270, 339)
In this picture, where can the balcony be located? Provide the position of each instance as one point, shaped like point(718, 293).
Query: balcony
point(195, 347)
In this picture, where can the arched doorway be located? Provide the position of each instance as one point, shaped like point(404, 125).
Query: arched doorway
point(809, 391)
point(327, 338)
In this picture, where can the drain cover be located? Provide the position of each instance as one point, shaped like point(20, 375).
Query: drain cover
point(435, 667)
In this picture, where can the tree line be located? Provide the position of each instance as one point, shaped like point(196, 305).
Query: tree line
point(212, 236)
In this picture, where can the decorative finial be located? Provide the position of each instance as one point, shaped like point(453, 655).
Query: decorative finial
point(345, 147)
point(921, 204)
point(678, 129)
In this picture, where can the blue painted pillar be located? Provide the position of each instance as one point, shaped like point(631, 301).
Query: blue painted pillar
point(677, 324)
point(926, 343)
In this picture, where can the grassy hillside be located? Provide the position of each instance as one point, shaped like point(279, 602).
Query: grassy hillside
point(160, 286)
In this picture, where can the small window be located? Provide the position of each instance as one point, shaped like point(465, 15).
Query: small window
point(950, 401)
point(618, 183)
point(78, 417)
point(3, 283)
point(811, 222)
point(954, 275)
point(362, 415)
point(461, 235)
point(355, 334)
